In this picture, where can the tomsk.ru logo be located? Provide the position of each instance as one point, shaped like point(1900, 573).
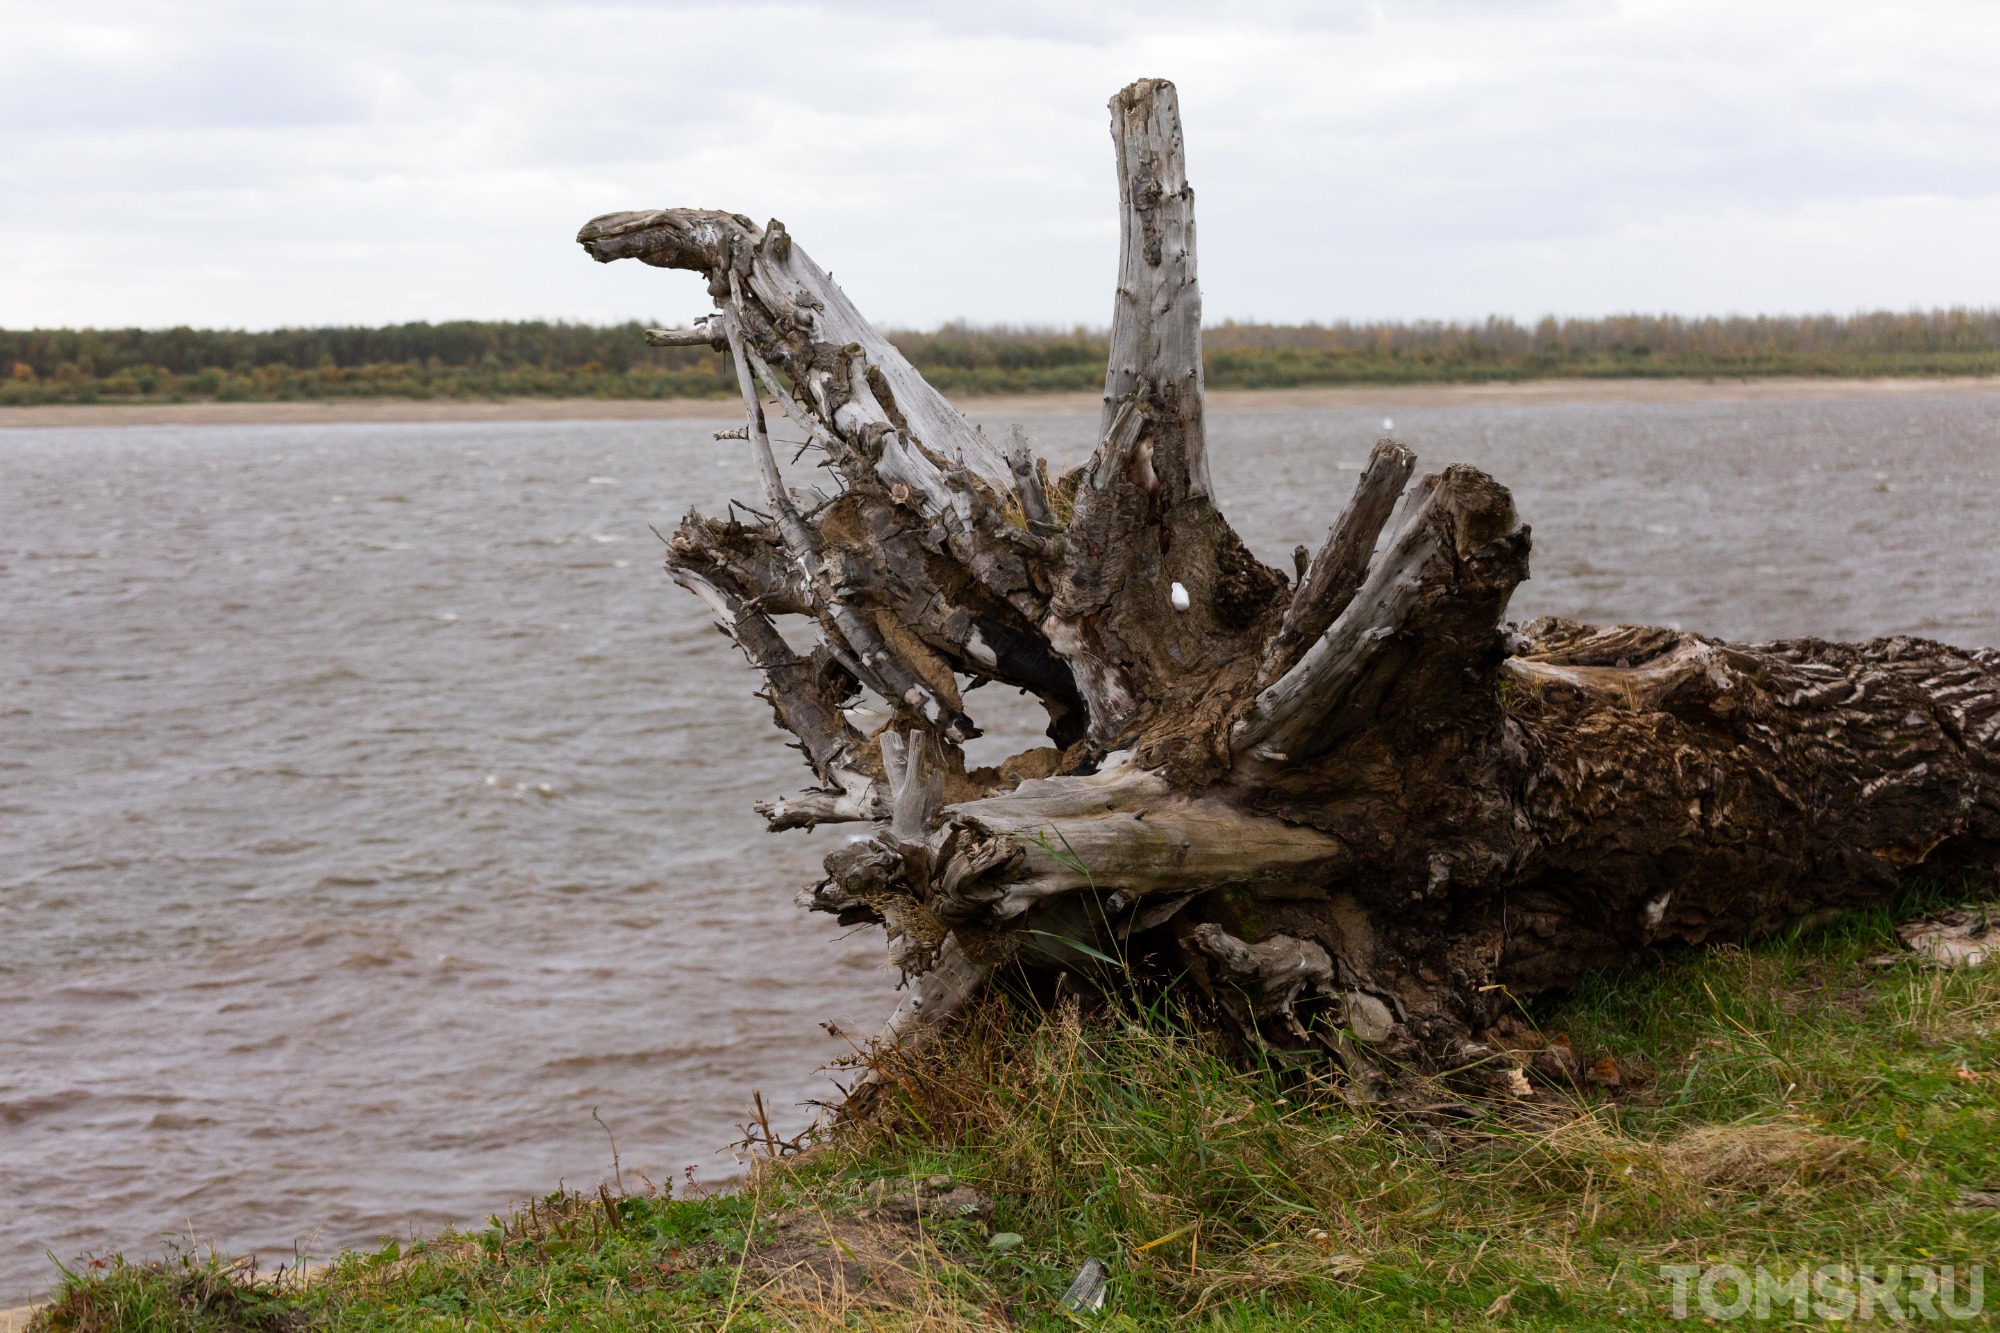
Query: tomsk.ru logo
point(1890, 1292)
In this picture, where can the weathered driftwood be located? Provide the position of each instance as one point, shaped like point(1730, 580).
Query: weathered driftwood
point(1362, 816)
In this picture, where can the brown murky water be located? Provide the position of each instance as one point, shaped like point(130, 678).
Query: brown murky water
point(372, 808)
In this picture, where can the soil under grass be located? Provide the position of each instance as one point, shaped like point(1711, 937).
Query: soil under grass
point(1787, 1104)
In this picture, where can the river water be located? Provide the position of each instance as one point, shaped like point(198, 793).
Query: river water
point(375, 815)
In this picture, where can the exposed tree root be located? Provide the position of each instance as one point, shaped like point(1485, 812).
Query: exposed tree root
point(1361, 817)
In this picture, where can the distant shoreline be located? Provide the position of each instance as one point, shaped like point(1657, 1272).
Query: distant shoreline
point(1362, 396)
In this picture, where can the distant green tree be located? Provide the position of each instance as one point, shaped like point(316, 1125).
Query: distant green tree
point(469, 358)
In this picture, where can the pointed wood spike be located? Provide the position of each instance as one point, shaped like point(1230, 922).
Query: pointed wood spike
point(1328, 584)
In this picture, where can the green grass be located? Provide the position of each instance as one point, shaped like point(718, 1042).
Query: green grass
point(1793, 1105)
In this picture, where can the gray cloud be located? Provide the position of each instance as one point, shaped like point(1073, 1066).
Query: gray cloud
point(254, 164)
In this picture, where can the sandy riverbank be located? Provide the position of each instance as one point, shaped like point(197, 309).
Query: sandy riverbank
point(1372, 396)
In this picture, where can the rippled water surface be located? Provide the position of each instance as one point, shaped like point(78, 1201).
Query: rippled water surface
point(372, 809)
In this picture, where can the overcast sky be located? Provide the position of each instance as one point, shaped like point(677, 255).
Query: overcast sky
point(274, 163)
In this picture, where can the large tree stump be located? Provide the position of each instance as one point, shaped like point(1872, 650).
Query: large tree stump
point(1361, 816)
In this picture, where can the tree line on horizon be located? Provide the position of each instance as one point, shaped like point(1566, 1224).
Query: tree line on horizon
point(534, 358)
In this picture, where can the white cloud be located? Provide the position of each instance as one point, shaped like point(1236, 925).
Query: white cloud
point(259, 164)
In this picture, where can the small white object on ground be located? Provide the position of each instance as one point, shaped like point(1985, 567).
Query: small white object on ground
point(1087, 1292)
point(1180, 597)
point(1004, 1240)
point(1965, 937)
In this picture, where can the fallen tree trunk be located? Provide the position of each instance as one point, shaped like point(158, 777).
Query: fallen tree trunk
point(1361, 816)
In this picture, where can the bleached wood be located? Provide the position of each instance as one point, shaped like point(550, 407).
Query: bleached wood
point(703, 334)
point(1156, 317)
point(857, 799)
point(1128, 831)
point(916, 787)
point(1293, 719)
point(928, 1004)
point(829, 742)
point(1028, 483)
point(1329, 582)
point(883, 668)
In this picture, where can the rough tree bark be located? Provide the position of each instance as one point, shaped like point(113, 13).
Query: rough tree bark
point(1360, 815)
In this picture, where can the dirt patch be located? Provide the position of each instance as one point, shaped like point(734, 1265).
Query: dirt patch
point(817, 1259)
point(883, 1254)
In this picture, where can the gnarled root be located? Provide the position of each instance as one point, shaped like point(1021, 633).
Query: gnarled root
point(1362, 817)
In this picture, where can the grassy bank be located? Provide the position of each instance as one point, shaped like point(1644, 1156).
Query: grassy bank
point(1787, 1104)
point(472, 359)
